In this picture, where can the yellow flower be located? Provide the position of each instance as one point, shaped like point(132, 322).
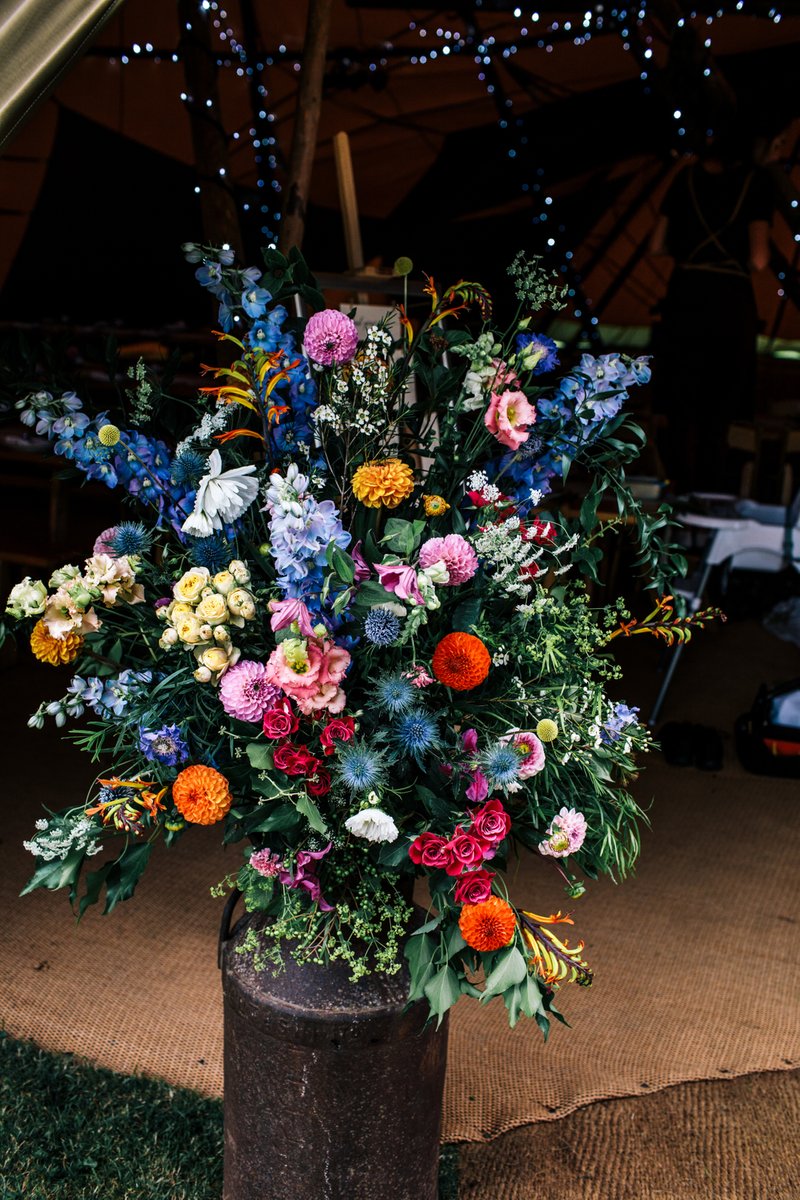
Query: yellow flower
point(435, 506)
point(52, 650)
point(108, 435)
point(386, 483)
point(547, 730)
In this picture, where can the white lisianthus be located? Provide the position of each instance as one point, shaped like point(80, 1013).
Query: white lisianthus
point(373, 825)
point(27, 599)
point(222, 497)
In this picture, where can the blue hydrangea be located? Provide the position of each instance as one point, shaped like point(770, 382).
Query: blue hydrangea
point(165, 745)
point(381, 627)
point(360, 768)
point(394, 694)
point(130, 538)
point(500, 765)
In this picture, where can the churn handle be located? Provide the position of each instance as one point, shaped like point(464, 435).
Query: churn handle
point(225, 926)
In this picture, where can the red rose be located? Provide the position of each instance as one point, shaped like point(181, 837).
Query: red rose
point(319, 783)
point(429, 850)
point(465, 850)
point(280, 721)
point(490, 823)
point(474, 887)
point(340, 729)
point(293, 760)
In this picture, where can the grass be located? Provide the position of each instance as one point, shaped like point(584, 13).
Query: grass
point(70, 1131)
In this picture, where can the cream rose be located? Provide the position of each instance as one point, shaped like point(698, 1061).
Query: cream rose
point(242, 603)
point(224, 582)
point(212, 610)
point(188, 628)
point(189, 587)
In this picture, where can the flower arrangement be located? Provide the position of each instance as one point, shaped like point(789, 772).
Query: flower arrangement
point(348, 626)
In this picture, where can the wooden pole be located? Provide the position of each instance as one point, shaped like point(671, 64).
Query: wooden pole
point(304, 139)
point(348, 202)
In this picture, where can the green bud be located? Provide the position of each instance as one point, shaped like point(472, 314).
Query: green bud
point(403, 266)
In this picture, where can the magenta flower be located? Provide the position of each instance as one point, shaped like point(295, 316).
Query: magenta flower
point(530, 750)
point(456, 554)
point(266, 863)
point(478, 789)
point(245, 692)
point(330, 337)
point(362, 566)
point(102, 543)
point(305, 875)
point(565, 835)
point(400, 579)
point(286, 612)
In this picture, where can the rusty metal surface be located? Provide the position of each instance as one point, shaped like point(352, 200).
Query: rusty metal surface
point(332, 1091)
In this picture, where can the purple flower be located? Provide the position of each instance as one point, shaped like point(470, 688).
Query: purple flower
point(565, 835)
point(330, 337)
point(165, 745)
point(305, 875)
point(245, 693)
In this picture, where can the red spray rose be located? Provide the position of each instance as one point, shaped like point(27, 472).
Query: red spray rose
point(474, 887)
point(281, 721)
point(318, 784)
point(340, 729)
point(465, 850)
point(490, 823)
point(295, 760)
point(429, 850)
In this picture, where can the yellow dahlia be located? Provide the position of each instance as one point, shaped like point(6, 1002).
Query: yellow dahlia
point(435, 506)
point(53, 650)
point(386, 483)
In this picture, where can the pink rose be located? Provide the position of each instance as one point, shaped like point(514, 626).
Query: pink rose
point(281, 721)
point(506, 416)
point(491, 823)
point(401, 580)
point(465, 851)
point(429, 850)
point(474, 887)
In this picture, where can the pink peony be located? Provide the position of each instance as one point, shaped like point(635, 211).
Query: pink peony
point(330, 337)
point(474, 887)
point(506, 416)
point(566, 834)
point(245, 692)
point(456, 554)
point(531, 752)
point(401, 580)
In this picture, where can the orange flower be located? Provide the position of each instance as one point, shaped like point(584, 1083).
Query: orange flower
point(461, 661)
point(53, 650)
point(488, 925)
point(202, 795)
point(435, 506)
point(385, 483)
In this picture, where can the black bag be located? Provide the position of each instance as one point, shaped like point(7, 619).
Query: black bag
point(768, 737)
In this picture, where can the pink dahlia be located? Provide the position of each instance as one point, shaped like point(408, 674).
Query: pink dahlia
point(530, 750)
point(565, 835)
point(102, 544)
point(456, 554)
point(245, 692)
point(330, 337)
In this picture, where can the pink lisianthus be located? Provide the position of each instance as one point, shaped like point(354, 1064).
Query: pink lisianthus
point(401, 580)
point(456, 554)
point(245, 692)
point(506, 417)
point(504, 377)
point(286, 612)
point(330, 337)
point(474, 887)
point(531, 752)
point(565, 834)
point(63, 615)
point(313, 684)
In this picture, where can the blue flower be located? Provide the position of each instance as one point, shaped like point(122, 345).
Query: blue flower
point(255, 301)
point(394, 694)
point(130, 538)
point(381, 627)
point(536, 352)
point(188, 469)
point(619, 718)
point(165, 745)
point(360, 768)
point(415, 734)
point(210, 276)
point(214, 553)
point(500, 765)
point(70, 429)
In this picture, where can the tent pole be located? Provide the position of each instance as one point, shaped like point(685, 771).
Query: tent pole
point(306, 123)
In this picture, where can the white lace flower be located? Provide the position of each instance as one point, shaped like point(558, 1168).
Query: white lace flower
point(221, 498)
point(373, 825)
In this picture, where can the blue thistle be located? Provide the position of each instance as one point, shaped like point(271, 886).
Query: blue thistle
point(130, 538)
point(214, 553)
point(415, 734)
point(381, 627)
point(360, 768)
point(188, 469)
point(501, 765)
point(394, 694)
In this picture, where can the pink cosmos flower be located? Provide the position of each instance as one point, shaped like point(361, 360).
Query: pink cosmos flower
point(507, 415)
point(400, 579)
point(565, 835)
point(245, 693)
point(286, 612)
point(330, 337)
point(456, 554)
point(530, 750)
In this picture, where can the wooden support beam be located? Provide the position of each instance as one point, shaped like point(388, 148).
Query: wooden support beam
point(348, 202)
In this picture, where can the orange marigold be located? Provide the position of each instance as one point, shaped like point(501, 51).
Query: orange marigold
point(386, 483)
point(488, 925)
point(53, 650)
point(461, 661)
point(202, 795)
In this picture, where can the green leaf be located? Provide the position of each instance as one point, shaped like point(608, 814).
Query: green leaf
point(260, 756)
point(466, 614)
point(343, 565)
point(455, 941)
point(125, 874)
point(442, 990)
point(59, 873)
point(394, 854)
point(306, 806)
point(94, 884)
point(428, 927)
point(371, 593)
point(400, 537)
point(419, 953)
point(531, 997)
point(438, 806)
point(510, 968)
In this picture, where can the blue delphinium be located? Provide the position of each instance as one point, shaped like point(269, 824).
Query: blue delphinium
point(69, 431)
point(536, 353)
point(360, 767)
point(415, 734)
point(109, 697)
point(394, 694)
point(381, 627)
point(617, 720)
point(500, 765)
point(130, 538)
point(301, 530)
point(165, 745)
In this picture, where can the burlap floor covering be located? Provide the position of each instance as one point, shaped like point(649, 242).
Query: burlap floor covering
point(696, 959)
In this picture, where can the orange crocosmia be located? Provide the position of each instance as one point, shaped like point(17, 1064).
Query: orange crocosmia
point(202, 795)
point(461, 661)
point(488, 925)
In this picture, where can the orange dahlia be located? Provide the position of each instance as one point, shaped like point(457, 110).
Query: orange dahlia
point(386, 483)
point(435, 506)
point(202, 795)
point(461, 661)
point(53, 650)
point(488, 925)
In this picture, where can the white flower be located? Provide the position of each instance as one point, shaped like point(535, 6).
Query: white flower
point(221, 498)
point(27, 599)
point(373, 825)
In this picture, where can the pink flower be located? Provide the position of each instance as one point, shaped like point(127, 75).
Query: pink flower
point(102, 543)
point(401, 580)
point(245, 692)
point(465, 851)
point(473, 887)
point(490, 823)
point(362, 566)
point(286, 612)
point(530, 750)
point(265, 862)
point(429, 850)
point(280, 721)
point(479, 787)
point(506, 416)
point(565, 835)
point(469, 740)
point(313, 685)
point(456, 554)
point(418, 675)
point(330, 337)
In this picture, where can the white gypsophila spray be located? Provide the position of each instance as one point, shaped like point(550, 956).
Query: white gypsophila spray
point(59, 836)
point(211, 423)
